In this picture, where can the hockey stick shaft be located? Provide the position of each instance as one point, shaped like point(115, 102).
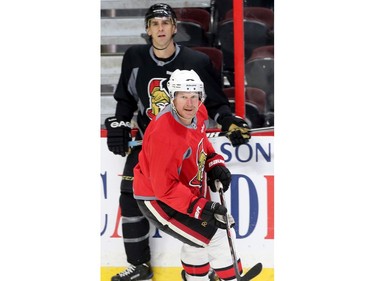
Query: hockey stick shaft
point(219, 187)
point(256, 269)
point(209, 134)
point(135, 143)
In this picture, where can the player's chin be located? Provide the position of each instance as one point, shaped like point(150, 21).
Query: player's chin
point(190, 113)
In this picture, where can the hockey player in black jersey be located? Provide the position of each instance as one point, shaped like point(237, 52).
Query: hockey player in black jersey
point(142, 90)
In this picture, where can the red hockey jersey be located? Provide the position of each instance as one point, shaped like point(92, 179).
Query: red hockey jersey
point(171, 163)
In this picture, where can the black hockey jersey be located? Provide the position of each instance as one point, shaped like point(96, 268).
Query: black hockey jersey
point(143, 80)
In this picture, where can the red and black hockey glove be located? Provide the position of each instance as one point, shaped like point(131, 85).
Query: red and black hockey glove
point(237, 130)
point(118, 135)
point(216, 170)
point(210, 212)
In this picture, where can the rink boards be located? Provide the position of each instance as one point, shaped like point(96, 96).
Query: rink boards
point(250, 200)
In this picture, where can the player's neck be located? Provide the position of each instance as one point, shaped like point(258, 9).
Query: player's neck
point(165, 53)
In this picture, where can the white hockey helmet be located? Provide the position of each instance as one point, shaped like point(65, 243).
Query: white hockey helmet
point(185, 81)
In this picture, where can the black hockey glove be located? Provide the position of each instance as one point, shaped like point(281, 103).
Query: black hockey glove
point(216, 170)
point(237, 130)
point(118, 135)
point(210, 212)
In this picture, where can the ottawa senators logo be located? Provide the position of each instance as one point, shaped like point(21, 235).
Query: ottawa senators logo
point(201, 160)
point(158, 96)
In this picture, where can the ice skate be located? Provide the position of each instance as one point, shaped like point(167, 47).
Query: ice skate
point(142, 272)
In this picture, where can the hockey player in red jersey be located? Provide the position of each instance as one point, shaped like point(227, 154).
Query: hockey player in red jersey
point(142, 90)
point(169, 181)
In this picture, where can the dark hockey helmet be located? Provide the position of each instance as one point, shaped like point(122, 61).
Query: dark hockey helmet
point(160, 10)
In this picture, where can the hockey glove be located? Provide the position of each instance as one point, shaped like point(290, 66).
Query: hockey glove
point(216, 170)
point(237, 130)
point(210, 212)
point(118, 135)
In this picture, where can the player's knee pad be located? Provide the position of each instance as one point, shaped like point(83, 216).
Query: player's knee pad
point(129, 206)
point(219, 251)
point(195, 263)
point(194, 255)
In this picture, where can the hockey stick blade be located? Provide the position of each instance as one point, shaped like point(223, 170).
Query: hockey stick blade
point(253, 272)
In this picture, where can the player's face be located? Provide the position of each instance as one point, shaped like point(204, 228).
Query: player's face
point(186, 104)
point(161, 30)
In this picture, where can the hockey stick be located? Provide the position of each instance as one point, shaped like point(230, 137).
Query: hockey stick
point(135, 143)
point(219, 187)
point(253, 272)
point(256, 269)
point(209, 135)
